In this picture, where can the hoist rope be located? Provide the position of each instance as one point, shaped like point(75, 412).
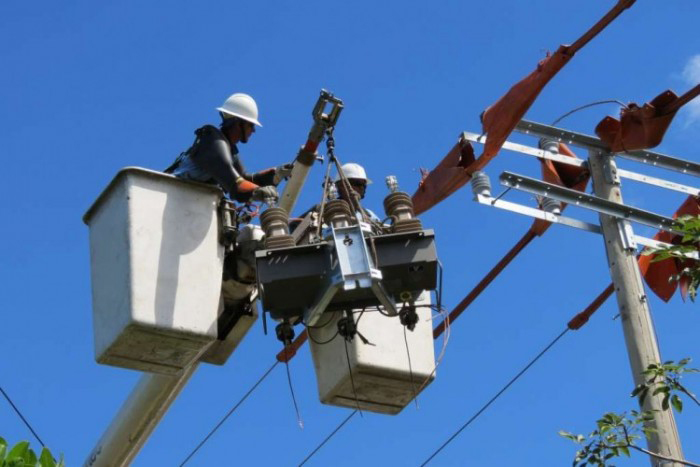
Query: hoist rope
point(328, 437)
point(300, 421)
point(330, 146)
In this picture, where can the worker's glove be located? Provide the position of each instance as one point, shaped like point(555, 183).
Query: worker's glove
point(266, 194)
point(282, 172)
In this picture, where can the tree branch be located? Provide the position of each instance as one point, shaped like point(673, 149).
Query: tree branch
point(687, 393)
point(659, 456)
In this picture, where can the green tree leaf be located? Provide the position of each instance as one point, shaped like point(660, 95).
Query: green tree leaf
point(19, 451)
point(3, 449)
point(677, 403)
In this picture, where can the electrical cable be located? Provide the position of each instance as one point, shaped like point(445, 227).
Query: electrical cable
point(607, 101)
point(318, 326)
point(313, 339)
point(441, 355)
point(233, 409)
point(498, 394)
point(327, 438)
point(21, 416)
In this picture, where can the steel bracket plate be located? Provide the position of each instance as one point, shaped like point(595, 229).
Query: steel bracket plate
point(610, 171)
point(627, 235)
point(353, 269)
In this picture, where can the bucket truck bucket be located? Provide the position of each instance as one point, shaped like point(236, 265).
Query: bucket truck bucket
point(382, 378)
point(156, 269)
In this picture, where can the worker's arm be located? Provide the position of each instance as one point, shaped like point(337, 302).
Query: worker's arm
point(271, 176)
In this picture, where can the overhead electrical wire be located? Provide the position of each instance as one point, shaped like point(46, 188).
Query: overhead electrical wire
point(328, 437)
point(493, 399)
point(21, 416)
point(233, 409)
point(574, 324)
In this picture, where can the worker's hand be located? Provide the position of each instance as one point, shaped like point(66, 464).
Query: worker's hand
point(282, 172)
point(266, 194)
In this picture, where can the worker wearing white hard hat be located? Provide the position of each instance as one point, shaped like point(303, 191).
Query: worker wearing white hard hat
point(213, 157)
point(356, 177)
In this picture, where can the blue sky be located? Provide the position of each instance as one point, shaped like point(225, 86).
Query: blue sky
point(90, 87)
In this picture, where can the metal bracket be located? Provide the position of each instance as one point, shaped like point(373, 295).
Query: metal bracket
point(329, 119)
point(626, 235)
point(227, 223)
point(610, 170)
point(353, 268)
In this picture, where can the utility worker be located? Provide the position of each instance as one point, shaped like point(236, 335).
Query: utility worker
point(358, 181)
point(213, 157)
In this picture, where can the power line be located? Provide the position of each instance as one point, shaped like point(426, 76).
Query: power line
point(22, 416)
point(233, 409)
point(328, 437)
point(498, 394)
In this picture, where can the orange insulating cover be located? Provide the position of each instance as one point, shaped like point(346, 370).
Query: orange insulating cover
point(568, 176)
point(643, 127)
point(657, 274)
point(499, 119)
point(450, 175)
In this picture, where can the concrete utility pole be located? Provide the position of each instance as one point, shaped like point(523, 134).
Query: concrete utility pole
point(137, 418)
point(634, 308)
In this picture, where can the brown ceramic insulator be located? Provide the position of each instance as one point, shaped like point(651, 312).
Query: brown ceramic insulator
point(408, 225)
point(275, 223)
point(399, 206)
point(280, 241)
point(337, 212)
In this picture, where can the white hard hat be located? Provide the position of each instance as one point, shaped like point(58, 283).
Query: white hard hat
point(353, 170)
point(242, 106)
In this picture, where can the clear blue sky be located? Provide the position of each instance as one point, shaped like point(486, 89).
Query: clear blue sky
point(90, 87)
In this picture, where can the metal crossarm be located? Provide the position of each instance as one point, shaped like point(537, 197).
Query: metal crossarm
point(584, 200)
point(576, 162)
point(654, 159)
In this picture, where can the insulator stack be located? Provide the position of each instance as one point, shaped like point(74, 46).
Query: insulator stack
point(549, 145)
point(337, 213)
point(399, 207)
point(275, 223)
point(550, 205)
point(481, 184)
